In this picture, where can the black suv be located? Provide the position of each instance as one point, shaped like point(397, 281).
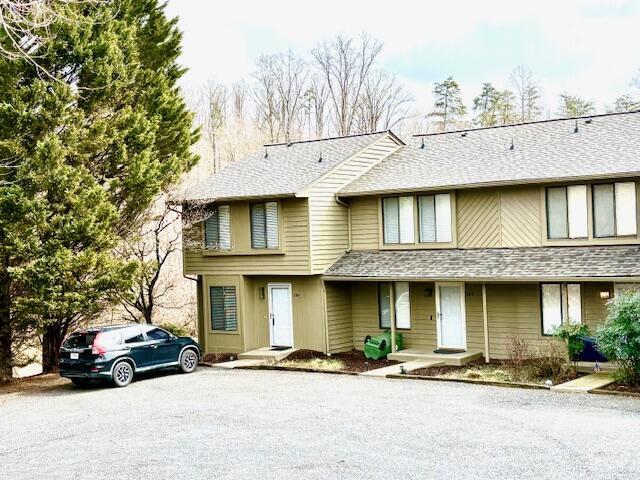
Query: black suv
point(117, 352)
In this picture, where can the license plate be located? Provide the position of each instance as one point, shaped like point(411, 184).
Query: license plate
point(74, 356)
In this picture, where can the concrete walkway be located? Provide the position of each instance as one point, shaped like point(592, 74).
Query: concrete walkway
point(585, 384)
point(397, 369)
point(247, 362)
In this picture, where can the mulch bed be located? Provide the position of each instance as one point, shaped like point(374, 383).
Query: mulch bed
point(219, 357)
point(619, 387)
point(354, 360)
point(444, 369)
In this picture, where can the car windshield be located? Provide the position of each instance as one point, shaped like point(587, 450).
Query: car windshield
point(80, 340)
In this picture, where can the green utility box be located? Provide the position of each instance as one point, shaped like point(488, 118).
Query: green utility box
point(380, 346)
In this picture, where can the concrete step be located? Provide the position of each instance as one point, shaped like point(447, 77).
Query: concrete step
point(397, 369)
point(586, 383)
point(266, 354)
point(454, 359)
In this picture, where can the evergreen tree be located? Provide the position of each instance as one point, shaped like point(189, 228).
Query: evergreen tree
point(448, 105)
point(573, 106)
point(86, 149)
point(506, 113)
point(484, 106)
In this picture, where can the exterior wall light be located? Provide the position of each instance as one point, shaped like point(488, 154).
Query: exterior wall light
point(605, 294)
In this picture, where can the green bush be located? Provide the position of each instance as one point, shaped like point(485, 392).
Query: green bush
point(177, 330)
point(618, 337)
point(571, 333)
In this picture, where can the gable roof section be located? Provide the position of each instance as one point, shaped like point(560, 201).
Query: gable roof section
point(287, 169)
point(491, 264)
point(604, 145)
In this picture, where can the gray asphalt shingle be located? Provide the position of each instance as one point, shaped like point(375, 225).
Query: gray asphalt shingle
point(604, 145)
point(287, 169)
point(492, 263)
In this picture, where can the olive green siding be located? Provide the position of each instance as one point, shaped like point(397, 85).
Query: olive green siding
point(513, 311)
point(364, 223)
point(291, 258)
point(329, 221)
point(478, 218)
point(521, 217)
point(340, 324)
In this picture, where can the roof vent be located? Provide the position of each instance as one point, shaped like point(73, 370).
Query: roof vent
point(422, 146)
point(576, 129)
point(289, 144)
point(464, 134)
point(588, 120)
point(266, 152)
point(320, 159)
point(512, 147)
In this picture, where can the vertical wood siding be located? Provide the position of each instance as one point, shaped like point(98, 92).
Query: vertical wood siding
point(329, 227)
point(340, 324)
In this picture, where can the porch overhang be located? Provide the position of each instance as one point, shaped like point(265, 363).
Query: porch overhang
point(492, 265)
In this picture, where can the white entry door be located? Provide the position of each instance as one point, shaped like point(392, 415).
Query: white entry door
point(450, 315)
point(280, 315)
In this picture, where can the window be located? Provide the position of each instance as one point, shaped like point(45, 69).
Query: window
point(217, 231)
point(224, 312)
point(435, 218)
point(614, 209)
point(158, 334)
point(402, 304)
point(559, 303)
point(133, 335)
point(397, 214)
point(264, 225)
point(567, 212)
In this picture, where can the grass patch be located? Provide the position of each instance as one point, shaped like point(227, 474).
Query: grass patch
point(329, 364)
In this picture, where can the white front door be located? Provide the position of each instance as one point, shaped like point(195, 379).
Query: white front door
point(280, 315)
point(450, 315)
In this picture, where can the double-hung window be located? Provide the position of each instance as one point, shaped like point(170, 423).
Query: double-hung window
point(614, 209)
point(402, 304)
point(397, 214)
point(567, 212)
point(435, 218)
point(224, 310)
point(217, 231)
point(264, 225)
point(561, 302)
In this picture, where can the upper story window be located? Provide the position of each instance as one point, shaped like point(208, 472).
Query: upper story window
point(567, 212)
point(217, 231)
point(614, 209)
point(264, 225)
point(397, 214)
point(435, 218)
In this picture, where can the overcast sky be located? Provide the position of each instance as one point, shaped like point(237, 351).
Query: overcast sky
point(589, 48)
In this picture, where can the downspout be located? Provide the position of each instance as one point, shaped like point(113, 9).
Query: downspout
point(346, 205)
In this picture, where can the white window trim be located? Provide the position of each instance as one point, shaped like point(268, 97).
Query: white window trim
point(564, 304)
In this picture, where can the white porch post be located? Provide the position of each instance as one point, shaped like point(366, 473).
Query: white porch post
point(485, 318)
point(392, 315)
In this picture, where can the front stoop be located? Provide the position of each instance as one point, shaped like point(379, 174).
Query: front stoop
point(396, 369)
point(266, 354)
point(585, 384)
point(453, 359)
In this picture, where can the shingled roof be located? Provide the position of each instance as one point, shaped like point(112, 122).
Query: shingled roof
point(580, 148)
point(280, 170)
point(539, 263)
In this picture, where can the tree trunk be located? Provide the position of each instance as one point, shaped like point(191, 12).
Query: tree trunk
point(6, 358)
point(51, 343)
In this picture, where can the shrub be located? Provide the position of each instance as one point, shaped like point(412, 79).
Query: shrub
point(518, 351)
point(618, 337)
point(572, 334)
point(177, 330)
point(550, 361)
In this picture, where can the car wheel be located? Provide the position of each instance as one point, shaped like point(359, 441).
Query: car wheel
point(188, 361)
point(122, 374)
point(80, 382)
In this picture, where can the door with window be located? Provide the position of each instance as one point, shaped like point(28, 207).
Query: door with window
point(280, 315)
point(139, 349)
point(164, 347)
point(450, 314)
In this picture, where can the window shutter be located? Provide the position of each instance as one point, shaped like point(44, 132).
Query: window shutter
point(217, 308)
point(577, 204)
point(224, 227)
point(403, 305)
point(603, 211)
point(391, 220)
point(271, 216)
point(384, 305)
point(557, 212)
point(443, 217)
point(626, 208)
point(406, 220)
point(230, 309)
point(551, 307)
point(258, 227)
point(574, 303)
point(224, 311)
point(211, 231)
point(427, 211)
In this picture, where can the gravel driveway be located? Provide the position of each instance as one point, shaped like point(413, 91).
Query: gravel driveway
point(218, 424)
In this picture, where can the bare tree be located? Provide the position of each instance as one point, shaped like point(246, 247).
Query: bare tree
point(345, 67)
point(278, 95)
point(383, 103)
point(527, 93)
point(316, 98)
point(215, 99)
